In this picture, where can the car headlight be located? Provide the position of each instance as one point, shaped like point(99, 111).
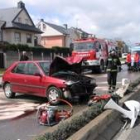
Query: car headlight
point(69, 83)
point(93, 81)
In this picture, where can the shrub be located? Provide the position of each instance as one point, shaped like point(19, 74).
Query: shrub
point(66, 129)
point(24, 47)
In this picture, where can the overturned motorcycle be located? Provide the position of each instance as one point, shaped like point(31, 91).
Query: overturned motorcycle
point(50, 115)
point(130, 109)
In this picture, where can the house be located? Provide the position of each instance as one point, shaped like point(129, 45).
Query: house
point(56, 35)
point(77, 33)
point(53, 35)
point(81, 33)
point(17, 27)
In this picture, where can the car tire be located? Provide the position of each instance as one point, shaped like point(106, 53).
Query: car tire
point(54, 93)
point(7, 91)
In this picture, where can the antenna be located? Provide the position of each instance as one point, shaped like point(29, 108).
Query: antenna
point(77, 20)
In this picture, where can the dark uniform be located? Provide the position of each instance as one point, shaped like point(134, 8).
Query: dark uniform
point(24, 57)
point(112, 64)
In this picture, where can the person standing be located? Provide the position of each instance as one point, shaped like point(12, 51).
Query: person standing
point(112, 65)
point(128, 60)
point(24, 56)
point(136, 61)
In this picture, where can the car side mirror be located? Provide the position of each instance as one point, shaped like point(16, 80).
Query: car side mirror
point(100, 47)
point(97, 50)
point(38, 74)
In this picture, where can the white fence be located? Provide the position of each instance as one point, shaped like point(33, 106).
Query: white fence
point(12, 56)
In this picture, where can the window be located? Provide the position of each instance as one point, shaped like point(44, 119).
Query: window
point(19, 19)
point(86, 46)
point(29, 38)
point(45, 67)
point(44, 26)
point(98, 46)
point(31, 69)
point(17, 37)
point(19, 68)
point(35, 40)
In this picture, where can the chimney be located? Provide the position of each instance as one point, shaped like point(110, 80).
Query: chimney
point(66, 26)
point(42, 20)
point(21, 5)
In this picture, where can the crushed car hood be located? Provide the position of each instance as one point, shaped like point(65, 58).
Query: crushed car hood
point(66, 64)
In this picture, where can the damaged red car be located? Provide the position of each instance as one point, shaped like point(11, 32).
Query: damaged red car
point(57, 79)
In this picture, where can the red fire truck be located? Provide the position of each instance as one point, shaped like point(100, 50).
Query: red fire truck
point(94, 51)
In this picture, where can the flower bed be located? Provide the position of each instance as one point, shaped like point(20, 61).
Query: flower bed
point(66, 129)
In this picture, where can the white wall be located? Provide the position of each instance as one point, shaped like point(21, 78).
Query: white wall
point(9, 36)
point(23, 15)
point(48, 31)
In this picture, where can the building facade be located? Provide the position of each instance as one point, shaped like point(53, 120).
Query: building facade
point(53, 35)
point(16, 26)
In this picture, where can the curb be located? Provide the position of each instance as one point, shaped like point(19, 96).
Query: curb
point(101, 128)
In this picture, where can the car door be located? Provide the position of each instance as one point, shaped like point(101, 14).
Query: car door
point(98, 49)
point(18, 78)
point(34, 80)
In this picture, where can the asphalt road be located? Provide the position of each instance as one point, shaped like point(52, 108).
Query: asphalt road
point(26, 127)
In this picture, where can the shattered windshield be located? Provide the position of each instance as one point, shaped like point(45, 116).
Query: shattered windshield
point(45, 67)
point(86, 46)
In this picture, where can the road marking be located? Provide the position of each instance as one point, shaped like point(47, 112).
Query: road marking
point(107, 82)
point(103, 87)
point(96, 75)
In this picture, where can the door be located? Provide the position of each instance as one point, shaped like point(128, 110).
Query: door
point(18, 78)
point(34, 82)
point(98, 48)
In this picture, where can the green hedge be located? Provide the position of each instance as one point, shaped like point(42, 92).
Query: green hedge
point(23, 47)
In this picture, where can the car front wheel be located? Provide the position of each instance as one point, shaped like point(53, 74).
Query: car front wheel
point(53, 94)
point(8, 92)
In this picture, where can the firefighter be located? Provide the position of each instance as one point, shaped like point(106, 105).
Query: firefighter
point(128, 60)
point(136, 61)
point(112, 65)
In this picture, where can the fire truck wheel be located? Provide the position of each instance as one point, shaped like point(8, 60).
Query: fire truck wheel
point(53, 94)
point(101, 68)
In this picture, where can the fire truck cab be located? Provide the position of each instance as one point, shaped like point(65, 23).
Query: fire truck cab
point(94, 51)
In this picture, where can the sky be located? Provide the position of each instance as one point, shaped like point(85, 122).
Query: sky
point(113, 19)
